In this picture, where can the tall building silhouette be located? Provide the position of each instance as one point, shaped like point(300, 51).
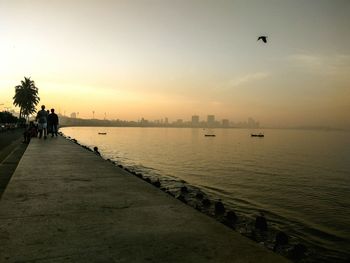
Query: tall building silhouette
point(225, 123)
point(211, 120)
point(195, 120)
point(252, 123)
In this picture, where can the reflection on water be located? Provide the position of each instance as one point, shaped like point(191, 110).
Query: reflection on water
point(301, 179)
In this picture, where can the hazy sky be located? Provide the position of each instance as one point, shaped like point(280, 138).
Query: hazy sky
point(160, 58)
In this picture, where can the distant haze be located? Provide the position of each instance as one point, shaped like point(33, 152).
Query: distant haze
point(159, 58)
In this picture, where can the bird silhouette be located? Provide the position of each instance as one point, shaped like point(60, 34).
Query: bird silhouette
point(263, 38)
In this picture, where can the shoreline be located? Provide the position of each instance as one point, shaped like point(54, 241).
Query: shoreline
point(79, 207)
point(221, 212)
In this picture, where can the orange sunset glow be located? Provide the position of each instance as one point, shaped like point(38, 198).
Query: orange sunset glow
point(156, 59)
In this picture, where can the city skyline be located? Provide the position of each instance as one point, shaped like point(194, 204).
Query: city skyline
point(125, 59)
point(186, 123)
point(193, 122)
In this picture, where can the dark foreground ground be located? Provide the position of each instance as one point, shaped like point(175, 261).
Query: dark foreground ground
point(11, 151)
point(66, 204)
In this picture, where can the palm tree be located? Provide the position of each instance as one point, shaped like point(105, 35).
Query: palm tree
point(26, 97)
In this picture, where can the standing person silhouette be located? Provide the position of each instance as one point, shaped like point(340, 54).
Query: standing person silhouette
point(41, 117)
point(52, 122)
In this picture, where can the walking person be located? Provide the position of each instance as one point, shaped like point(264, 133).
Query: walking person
point(41, 117)
point(53, 123)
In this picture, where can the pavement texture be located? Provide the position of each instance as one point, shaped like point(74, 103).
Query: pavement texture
point(12, 154)
point(8, 141)
point(66, 204)
point(11, 151)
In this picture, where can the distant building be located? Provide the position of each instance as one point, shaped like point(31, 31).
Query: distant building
point(211, 120)
point(166, 120)
point(73, 115)
point(144, 122)
point(225, 123)
point(195, 120)
point(252, 123)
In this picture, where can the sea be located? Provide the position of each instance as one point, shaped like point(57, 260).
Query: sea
point(299, 179)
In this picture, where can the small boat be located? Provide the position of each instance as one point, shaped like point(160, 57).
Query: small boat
point(102, 133)
point(209, 133)
point(257, 135)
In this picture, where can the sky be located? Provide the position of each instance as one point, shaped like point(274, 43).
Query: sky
point(161, 58)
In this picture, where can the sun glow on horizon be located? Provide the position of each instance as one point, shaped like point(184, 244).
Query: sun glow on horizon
point(171, 59)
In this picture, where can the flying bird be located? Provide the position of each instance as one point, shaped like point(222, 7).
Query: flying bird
point(263, 38)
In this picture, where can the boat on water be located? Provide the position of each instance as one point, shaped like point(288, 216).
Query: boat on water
point(209, 133)
point(257, 135)
point(102, 133)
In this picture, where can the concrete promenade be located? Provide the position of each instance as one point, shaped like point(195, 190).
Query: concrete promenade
point(66, 204)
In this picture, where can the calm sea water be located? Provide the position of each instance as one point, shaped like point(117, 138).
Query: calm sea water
point(301, 179)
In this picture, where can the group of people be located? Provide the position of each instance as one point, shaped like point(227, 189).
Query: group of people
point(47, 123)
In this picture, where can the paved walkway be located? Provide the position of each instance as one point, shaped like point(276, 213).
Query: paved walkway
point(65, 204)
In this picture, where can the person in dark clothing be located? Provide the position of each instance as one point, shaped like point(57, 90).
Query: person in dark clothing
point(31, 131)
point(52, 121)
point(42, 121)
